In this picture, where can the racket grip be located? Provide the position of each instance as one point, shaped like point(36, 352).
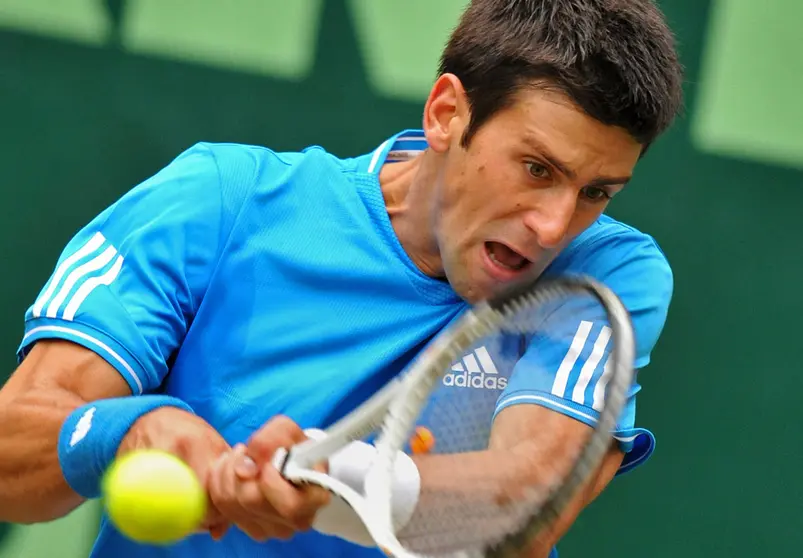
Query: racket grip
point(282, 455)
point(279, 459)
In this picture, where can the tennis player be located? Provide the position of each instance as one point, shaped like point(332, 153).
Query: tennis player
point(241, 296)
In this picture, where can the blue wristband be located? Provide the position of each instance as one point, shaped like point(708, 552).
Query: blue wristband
point(91, 435)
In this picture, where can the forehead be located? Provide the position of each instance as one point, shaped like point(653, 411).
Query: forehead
point(551, 120)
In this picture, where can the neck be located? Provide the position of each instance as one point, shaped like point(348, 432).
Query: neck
point(409, 190)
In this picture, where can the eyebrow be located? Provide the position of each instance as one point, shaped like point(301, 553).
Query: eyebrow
point(610, 181)
point(563, 168)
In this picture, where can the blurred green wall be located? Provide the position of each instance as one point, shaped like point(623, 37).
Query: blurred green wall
point(95, 96)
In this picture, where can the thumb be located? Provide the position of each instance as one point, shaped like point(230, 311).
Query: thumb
point(246, 468)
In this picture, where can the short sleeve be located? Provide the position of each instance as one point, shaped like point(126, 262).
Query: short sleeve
point(568, 372)
point(128, 284)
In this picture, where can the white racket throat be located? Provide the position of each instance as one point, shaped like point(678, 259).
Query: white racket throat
point(373, 512)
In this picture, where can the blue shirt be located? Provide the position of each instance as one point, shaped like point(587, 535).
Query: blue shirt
point(251, 283)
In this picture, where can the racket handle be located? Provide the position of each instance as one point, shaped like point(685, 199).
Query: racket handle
point(280, 459)
point(282, 455)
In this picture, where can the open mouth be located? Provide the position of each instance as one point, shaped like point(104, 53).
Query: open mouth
point(505, 257)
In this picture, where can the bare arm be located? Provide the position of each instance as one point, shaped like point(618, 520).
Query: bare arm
point(531, 430)
point(528, 443)
point(56, 378)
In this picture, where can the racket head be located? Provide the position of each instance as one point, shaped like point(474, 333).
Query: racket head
point(501, 519)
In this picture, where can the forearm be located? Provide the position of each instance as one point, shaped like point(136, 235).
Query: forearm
point(489, 493)
point(498, 475)
point(32, 488)
point(480, 496)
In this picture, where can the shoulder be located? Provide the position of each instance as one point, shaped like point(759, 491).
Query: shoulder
point(633, 266)
point(256, 161)
point(611, 249)
point(263, 175)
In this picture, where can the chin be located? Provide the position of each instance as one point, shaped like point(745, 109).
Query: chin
point(474, 289)
point(468, 280)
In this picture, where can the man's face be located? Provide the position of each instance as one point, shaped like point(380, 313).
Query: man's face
point(533, 178)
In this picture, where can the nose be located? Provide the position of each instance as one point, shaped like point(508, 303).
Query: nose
point(551, 218)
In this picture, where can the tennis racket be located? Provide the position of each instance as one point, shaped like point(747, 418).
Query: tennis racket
point(478, 520)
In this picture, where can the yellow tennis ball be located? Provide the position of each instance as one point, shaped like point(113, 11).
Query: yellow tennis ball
point(153, 497)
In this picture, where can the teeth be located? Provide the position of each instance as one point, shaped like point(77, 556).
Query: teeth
point(519, 267)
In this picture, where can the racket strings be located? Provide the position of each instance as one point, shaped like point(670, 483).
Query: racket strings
point(481, 513)
point(506, 510)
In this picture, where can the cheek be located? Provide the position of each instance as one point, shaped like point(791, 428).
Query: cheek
point(489, 184)
point(584, 217)
point(465, 189)
point(477, 190)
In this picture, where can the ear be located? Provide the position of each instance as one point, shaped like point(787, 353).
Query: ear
point(446, 113)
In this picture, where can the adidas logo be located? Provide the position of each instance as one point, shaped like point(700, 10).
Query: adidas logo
point(475, 370)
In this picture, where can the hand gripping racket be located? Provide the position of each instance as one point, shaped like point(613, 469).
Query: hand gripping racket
point(551, 315)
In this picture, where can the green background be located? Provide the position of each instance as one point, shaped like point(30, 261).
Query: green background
point(97, 95)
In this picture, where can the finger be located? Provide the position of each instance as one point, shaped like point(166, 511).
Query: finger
point(244, 500)
point(283, 532)
point(247, 493)
point(257, 514)
point(224, 489)
point(246, 468)
point(216, 522)
point(264, 530)
point(214, 485)
point(317, 496)
point(213, 516)
point(290, 428)
point(200, 458)
point(228, 471)
point(278, 432)
point(206, 468)
point(297, 505)
point(218, 531)
point(242, 503)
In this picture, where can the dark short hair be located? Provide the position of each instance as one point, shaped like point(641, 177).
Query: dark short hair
point(616, 59)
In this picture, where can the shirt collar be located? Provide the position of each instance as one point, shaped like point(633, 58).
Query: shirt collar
point(400, 147)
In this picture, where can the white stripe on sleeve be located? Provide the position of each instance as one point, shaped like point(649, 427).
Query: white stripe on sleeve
point(90, 285)
point(93, 341)
point(579, 341)
point(542, 399)
point(590, 365)
point(92, 244)
point(96, 263)
point(602, 384)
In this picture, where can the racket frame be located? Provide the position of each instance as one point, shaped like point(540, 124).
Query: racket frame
point(394, 408)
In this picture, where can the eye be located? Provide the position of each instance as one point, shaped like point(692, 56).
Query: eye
point(537, 170)
point(596, 194)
